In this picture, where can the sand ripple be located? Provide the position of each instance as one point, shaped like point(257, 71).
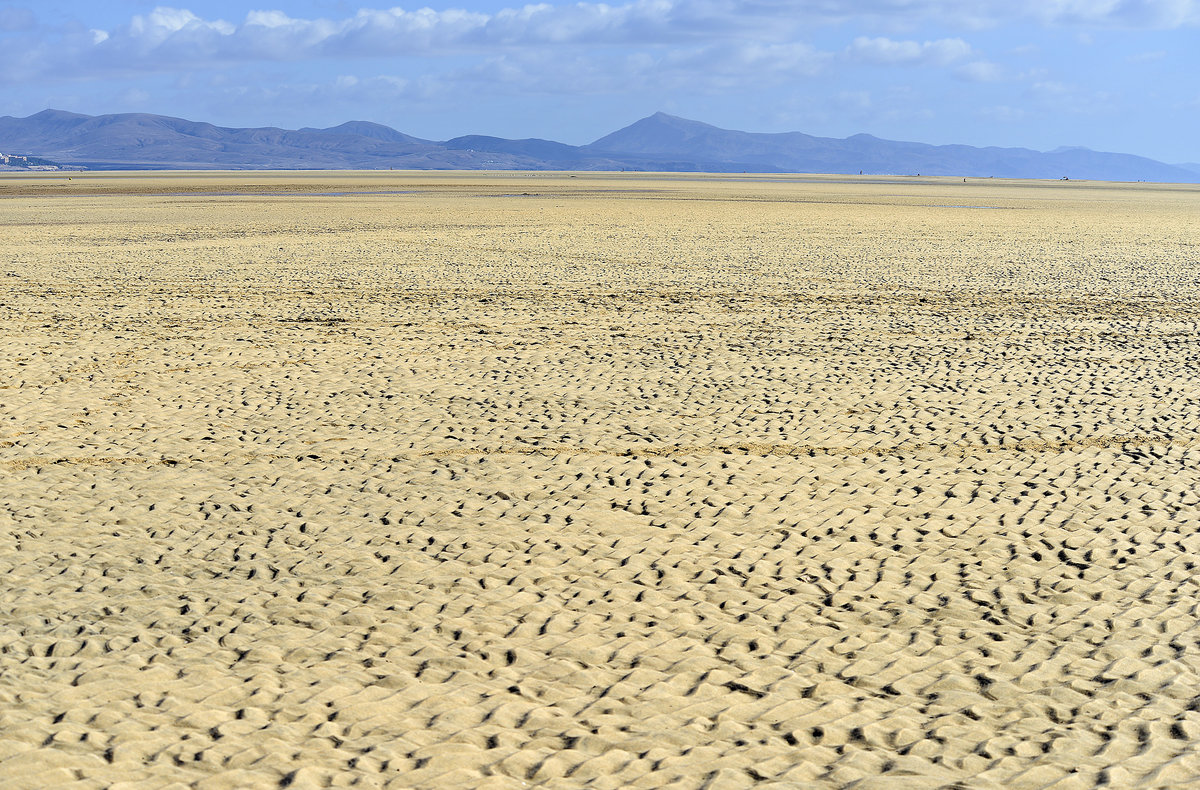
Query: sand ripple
point(709, 486)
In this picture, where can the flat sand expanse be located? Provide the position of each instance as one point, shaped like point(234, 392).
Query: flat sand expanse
point(481, 480)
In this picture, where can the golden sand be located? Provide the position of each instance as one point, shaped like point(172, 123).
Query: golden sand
point(479, 480)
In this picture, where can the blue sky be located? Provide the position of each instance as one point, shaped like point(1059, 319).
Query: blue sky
point(1115, 75)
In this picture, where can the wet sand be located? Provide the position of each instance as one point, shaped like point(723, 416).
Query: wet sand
point(429, 480)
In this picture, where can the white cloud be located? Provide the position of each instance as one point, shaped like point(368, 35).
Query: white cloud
point(372, 32)
point(721, 40)
point(1160, 14)
point(169, 38)
point(163, 22)
point(761, 60)
point(1120, 13)
point(980, 71)
point(270, 19)
point(711, 68)
point(885, 51)
point(667, 32)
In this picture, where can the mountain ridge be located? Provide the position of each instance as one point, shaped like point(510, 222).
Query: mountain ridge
point(659, 142)
point(799, 152)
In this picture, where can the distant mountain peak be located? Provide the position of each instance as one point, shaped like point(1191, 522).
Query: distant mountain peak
point(675, 120)
point(370, 129)
point(57, 115)
point(655, 133)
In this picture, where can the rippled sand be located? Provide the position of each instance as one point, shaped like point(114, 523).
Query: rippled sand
point(479, 480)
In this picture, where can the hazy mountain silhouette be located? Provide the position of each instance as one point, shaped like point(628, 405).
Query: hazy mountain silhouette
point(137, 139)
point(797, 152)
point(547, 150)
point(375, 131)
point(660, 142)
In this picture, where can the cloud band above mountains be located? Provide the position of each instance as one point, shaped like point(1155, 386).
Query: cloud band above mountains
point(170, 38)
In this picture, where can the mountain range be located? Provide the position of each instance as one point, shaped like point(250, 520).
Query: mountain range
point(659, 142)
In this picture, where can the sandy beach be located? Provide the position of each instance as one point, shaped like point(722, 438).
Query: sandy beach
point(485, 480)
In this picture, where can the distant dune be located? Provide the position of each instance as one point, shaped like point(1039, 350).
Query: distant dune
point(660, 142)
